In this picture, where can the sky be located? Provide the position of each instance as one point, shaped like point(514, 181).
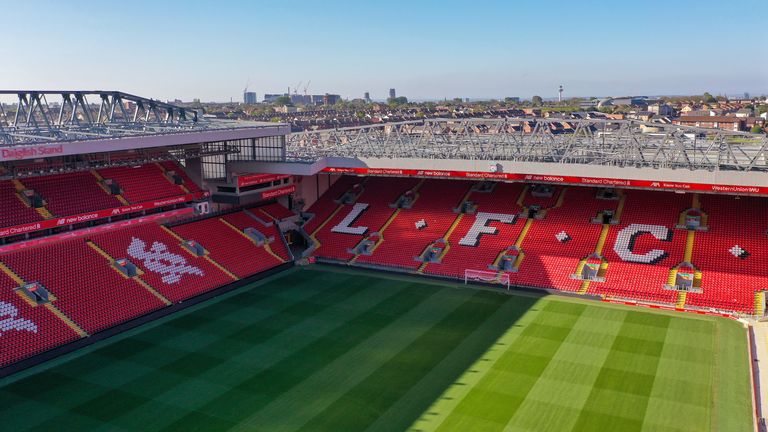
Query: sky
point(426, 49)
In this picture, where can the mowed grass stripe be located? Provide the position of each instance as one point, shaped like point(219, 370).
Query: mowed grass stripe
point(190, 375)
point(386, 385)
point(166, 368)
point(468, 361)
point(620, 395)
point(493, 401)
point(732, 381)
point(680, 394)
point(572, 372)
point(299, 405)
point(266, 384)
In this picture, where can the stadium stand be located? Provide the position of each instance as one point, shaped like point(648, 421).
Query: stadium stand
point(14, 211)
point(27, 329)
point(434, 205)
point(324, 207)
point(633, 239)
point(276, 211)
point(642, 277)
point(729, 279)
point(167, 266)
point(89, 290)
point(230, 246)
point(72, 193)
point(247, 219)
point(378, 194)
point(479, 257)
point(142, 183)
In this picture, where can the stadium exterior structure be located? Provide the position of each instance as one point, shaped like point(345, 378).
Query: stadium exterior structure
point(588, 152)
point(54, 123)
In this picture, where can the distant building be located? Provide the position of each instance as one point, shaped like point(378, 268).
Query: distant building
point(714, 122)
point(367, 97)
point(661, 109)
point(249, 98)
point(392, 93)
point(331, 99)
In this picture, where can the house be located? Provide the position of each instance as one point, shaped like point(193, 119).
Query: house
point(712, 122)
point(661, 109)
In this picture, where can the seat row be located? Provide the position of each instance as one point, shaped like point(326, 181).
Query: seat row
point(98, 281)
point(638, 251)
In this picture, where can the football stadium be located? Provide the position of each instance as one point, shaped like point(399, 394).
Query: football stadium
point(164, 271)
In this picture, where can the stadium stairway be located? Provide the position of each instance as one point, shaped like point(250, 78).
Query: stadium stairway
point(30, 329)
point(59, 192)
point(435, 204)
point(14, 210)
point(168, 267)
point(15, 277)
point(231, 249)
point(239, 222)
point(377, 194)
point(42, 211)
point(136, 278)
point(206, 254)
point(100, 179)
point(88, 290)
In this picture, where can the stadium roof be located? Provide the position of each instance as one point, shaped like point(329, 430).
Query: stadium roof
point(60, 116)
point(600, 142)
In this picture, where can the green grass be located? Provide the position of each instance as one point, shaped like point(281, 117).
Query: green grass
point(327, 349)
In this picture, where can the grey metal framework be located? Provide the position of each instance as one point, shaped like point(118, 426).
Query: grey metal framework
point(41, 116)
point(602, 142)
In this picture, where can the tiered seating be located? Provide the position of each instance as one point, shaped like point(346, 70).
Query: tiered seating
point(191, 186)
point(549, 262)
point(167, 267)
point(378, 193)
point(244, 219)
point(325, 205)
point(229, 248)
point(729, 281)
point(12, 210)
point(502, 200)
point(732, 255)
point(72, 193)
point(36, 329)
point(645, 281)
point(403, 241)
point(276, 211)
point(142, 183)
point(89, 291)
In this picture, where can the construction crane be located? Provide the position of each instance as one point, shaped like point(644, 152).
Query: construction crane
point(296, 89)
point(306, 87)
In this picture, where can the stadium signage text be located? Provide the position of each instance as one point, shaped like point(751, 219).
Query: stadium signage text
point(94, 230)
point(244, 180)
point(30, 152)
point(274, 193)
point(593, 181)
point(100, 214)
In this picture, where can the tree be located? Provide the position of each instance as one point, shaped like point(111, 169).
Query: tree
point(400, 100)
point(708, 98)
point(283, 100)
point(537, 100)
point(756, 129)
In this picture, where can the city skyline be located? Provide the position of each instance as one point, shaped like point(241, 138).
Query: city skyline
point(427, 51)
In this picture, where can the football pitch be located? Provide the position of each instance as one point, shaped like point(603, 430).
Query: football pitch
point(319, 348)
